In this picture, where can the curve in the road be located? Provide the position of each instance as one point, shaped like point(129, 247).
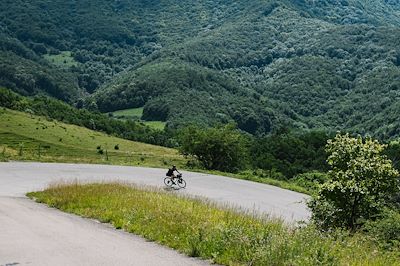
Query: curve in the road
point(37, 235)
point(18, 178)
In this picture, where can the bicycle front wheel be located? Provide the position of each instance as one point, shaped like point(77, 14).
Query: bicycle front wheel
point(181, 183)
point(168, 181)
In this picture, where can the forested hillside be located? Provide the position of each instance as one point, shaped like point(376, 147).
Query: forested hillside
point(263, 63)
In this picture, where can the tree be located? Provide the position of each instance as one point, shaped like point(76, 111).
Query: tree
point(361, 183)
point(221, 149)
point(290, 153)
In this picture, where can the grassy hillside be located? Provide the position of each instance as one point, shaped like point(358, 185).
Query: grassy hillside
point(29, 137)
point(261, 64)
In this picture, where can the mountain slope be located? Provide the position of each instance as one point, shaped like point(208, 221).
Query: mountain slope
point(304, 69)
point(310, 64)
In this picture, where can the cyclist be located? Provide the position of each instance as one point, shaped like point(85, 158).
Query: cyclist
point(171, 173)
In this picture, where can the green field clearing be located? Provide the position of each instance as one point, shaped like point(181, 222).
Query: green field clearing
point(136, 114)
point(200, 228)
point(63, 59)
point(159, 125)
point(28, 137)
point(129, 113)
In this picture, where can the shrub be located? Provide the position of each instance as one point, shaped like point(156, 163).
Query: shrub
point(361, 183)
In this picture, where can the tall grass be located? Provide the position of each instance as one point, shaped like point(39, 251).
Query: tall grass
point(203, 229)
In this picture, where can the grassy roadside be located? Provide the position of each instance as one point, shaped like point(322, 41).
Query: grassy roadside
point(202, 229)
point(247, 175)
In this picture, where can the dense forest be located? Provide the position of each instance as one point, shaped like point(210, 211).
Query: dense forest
point(328, 65)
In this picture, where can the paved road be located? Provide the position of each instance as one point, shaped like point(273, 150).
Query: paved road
point(33, 234)
point(36, 235)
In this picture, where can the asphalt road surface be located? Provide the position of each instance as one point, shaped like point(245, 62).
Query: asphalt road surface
point(33, 234)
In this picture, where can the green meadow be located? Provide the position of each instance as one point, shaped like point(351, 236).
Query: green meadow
point(159, 125)
point(64, 59)
point(129, 113)
point(136, 114)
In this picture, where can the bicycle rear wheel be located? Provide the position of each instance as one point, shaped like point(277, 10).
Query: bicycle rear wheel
point(168, 181)
point(181, 183)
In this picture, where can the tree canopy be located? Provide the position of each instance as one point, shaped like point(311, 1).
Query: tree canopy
point(221, 149)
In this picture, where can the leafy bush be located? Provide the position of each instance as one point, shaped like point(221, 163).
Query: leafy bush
point(361, 183)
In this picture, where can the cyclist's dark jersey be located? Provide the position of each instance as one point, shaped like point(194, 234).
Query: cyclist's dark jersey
point(170, 172)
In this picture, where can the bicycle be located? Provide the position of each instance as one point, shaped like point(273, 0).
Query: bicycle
point(168, 181)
